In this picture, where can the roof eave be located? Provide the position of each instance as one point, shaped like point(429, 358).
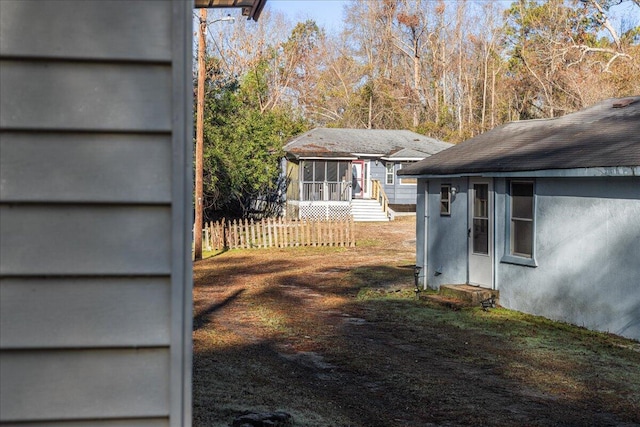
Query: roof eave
point(402, 159)
point(600, 171)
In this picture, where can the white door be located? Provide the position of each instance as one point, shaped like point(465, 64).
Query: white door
point(480, 232)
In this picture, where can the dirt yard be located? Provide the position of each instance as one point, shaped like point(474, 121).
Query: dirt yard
point(335, 337)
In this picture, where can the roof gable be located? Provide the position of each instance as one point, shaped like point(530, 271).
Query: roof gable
point(604, 135)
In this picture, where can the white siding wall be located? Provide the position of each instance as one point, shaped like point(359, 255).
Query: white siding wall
point(95, 212)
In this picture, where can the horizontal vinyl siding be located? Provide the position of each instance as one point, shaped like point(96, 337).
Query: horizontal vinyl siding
point(85, 96)
point(94, 175)
point(87, 30)
point(84, 312)
point(84, 384)
point(405, 193)
point(68, 167)
point(131, 422)
point(41, 240)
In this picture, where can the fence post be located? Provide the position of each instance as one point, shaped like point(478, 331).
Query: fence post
point(207, 242)
point(241, 236)
point(253, 234)
point(331, 227)
point(245, 234)
point(215, 239)
point(232, 239)
point(352, 230)
point(285, 229)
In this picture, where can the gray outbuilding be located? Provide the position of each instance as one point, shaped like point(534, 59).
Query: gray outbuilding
point(547, 212)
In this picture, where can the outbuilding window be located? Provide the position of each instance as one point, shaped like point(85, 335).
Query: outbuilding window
point(521, 227)
point(445, 199)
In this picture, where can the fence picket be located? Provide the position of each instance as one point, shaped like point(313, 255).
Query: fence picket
point(278, 233)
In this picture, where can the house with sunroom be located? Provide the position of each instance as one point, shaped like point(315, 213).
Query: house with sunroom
point(545, 212)
point(336, 172)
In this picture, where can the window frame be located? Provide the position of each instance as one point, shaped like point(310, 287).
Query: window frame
point(510, 256)
point(446, 212)
point(407, 181)
point(389, 175)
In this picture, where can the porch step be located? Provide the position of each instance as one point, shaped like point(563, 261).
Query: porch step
point(457, 296)
point(367, 210)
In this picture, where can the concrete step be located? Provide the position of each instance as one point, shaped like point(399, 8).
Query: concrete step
point(458, 296)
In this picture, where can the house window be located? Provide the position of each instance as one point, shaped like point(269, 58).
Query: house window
point(445, 199)
point(389, 174)
point(404, 180)
point(521, 227)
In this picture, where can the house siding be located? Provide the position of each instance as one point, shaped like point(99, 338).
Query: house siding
point(587, 251)
point(587, 243)
point(95, 176)
point(398, 194)
point(447, 236)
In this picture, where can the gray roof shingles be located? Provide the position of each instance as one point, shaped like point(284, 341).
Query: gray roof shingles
point(333, 142)
point(602, 135)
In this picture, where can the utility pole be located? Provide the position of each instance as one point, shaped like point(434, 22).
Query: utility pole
point(197, 232)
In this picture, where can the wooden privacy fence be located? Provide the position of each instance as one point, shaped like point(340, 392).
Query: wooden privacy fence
point(277, 233)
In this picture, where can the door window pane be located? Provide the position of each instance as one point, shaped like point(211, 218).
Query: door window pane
point(480, 219)
point(481, 236)
point(481, 200)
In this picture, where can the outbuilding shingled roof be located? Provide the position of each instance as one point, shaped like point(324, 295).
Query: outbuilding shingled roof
point(604, 135)
point(333, 142)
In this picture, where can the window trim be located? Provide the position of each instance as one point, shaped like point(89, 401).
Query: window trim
point(448, 200)
point(414, 181)
point(509, 257)
point(389, 175)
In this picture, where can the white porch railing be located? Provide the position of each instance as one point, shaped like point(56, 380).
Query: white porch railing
point(339, 191)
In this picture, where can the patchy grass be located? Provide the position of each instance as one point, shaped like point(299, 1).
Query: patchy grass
point(336, 337)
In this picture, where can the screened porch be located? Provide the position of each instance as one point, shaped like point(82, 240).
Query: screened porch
point(325, 180)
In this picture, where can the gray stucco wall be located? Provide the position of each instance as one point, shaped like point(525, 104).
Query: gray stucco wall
point(447, 236)
point(588, 255)
point(587, 249)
